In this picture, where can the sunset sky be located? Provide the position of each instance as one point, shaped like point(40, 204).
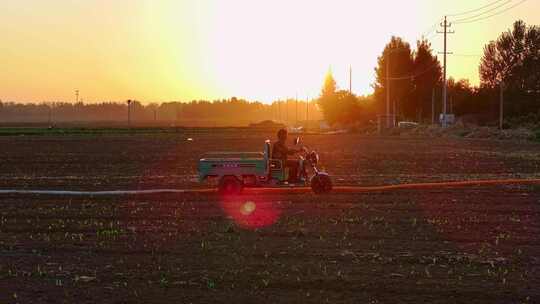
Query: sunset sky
point(163, 50)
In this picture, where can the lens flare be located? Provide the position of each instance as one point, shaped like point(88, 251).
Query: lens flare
point(251, 213)
point(247, 208)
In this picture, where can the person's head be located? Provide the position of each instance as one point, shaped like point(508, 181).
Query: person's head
point(282, 135)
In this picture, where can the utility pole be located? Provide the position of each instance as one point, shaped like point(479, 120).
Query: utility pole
point(287, 112)
point(501, 105)
point(445, 25)
point(390, 118)
point(129, 112)
point(279, 110)
point(433, 106)
point(176, 118)
point(307, 112)
point(394, 112)
point(388, 90)
point(50, 114)
point(296, 109)
point(350, 79)
point(78, 108)
point(444, 80)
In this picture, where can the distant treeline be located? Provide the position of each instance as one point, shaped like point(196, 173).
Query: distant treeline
point(228, 112)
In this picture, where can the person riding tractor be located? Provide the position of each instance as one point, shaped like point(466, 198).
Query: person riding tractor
point(234, 171)
point(280, 151)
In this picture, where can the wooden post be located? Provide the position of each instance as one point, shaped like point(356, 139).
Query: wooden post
point(433, 106)
point(129, 112)
point(501, 105)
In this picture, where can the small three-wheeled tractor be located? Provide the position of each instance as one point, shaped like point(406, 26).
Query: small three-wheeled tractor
point(234, 171)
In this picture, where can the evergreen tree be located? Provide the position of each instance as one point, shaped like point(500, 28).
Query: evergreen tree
point(328, 100)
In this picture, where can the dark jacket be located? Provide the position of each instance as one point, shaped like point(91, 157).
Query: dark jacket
point(281, 151)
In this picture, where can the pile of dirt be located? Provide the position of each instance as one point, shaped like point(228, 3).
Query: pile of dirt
point(473, 132)
point(493, 133)
point(267, 125)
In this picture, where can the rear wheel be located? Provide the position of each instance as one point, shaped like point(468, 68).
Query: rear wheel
point(230, 185)
point(321, 184)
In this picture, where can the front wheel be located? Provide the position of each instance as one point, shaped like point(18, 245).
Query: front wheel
point(321, 184)
point(230, 185)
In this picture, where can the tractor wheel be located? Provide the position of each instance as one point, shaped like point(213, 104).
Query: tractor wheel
point(230, 185)
point(321, 184)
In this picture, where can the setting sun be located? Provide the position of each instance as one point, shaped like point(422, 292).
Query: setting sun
point(204, 49)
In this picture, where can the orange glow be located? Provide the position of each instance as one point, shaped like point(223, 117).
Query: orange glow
point(186, 49)
point(251, 213)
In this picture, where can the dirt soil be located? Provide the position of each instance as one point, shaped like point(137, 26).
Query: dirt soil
point(478, 244)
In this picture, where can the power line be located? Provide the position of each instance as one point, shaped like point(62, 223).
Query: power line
point(476, 9)
point(523, 49)
point(483, 13)
point(435, 33)
point(430, 32)
point(411, 76)
point(432, 28)
point(492, 15)
point(467, 55)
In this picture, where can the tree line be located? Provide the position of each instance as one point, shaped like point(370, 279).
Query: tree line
point(226, 112)
point(409, 84)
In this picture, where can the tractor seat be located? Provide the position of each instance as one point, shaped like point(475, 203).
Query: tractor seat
point(275, 164)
